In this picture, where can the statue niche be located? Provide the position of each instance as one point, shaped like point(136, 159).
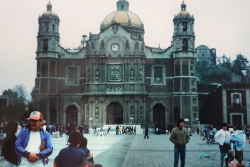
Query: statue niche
point(97, 74)
point(131, 74)
point(140, 74)
point(132, 112)
point(96, 112)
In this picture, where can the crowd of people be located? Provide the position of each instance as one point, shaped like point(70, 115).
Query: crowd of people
point(31, 145)
point(125, 130)
point(231, 141)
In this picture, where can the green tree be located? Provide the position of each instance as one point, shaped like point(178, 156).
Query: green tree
point(240, 63)
point(17, 106)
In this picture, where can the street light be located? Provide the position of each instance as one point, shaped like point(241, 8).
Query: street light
point(197, 119)
point(131, 118)
point(90, 127)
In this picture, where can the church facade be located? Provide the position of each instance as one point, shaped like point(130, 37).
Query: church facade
point(114, 77)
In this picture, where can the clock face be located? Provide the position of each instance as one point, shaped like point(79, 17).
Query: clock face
point(114, 47)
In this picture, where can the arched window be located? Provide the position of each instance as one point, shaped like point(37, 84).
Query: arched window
point(45, 45)
point(184, 26)
point(236, 100)
point(53, 27)
point(184, 44)
point(46, 26)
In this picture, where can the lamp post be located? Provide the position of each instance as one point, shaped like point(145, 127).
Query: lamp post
point(90, 126)
point(197, 119)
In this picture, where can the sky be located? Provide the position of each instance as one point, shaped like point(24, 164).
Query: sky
point(220, 24)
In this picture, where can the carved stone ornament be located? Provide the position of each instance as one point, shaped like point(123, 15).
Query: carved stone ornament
point(114, 88)
point(115, 28)
point(114, 72)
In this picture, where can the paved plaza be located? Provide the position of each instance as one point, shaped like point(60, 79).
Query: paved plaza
point(134, 151)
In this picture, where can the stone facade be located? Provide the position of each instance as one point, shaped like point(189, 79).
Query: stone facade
point(113, 77)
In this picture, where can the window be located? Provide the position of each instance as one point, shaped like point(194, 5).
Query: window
point(53, 27)
point(184, 26)
point(46, 26)
point(45, 45)
point(158, 75)
point(236, 100)
point(72, 75)
point(184, 44)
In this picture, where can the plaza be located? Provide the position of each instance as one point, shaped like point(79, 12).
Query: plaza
point(134, 151)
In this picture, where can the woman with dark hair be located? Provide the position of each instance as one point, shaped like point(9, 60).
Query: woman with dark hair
point(72, 156)
point(8, 148)
point(223, 138)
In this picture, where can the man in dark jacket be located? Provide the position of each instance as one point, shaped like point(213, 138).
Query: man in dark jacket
point(180, 138)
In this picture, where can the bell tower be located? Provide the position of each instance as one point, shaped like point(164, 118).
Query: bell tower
point(185, 98)
point(48, 34)
point(47, 55)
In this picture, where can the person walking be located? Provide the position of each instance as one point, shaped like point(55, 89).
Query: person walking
point(238, 139)
point(68, 131)
point(146, 132)
point(120, 130)
point(33, 145)
point(223, 138)
point(179, 136)
point(117, 129)
point(205, 131)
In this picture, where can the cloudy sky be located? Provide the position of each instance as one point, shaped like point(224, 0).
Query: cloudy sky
point(220, 24)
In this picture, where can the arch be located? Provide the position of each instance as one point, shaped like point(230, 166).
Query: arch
point(114, 113)
point(159, 116)
point(68, 114)
point(166, 117)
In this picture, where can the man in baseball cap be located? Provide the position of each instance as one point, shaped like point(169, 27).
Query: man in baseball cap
point(33, 144)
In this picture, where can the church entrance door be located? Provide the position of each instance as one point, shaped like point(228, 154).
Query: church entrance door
point(159, 116)
point(114, 113)
point(71, 115)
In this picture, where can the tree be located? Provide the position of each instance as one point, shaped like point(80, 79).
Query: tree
point(17, 97)
point(240, 63)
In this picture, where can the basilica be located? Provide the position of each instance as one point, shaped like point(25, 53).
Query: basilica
point(113, 77)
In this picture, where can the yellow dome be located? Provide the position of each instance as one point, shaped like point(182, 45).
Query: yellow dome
point(81, 47)
point(183, 13)
point(49, 13)
point(125, 18)
point(49, 10)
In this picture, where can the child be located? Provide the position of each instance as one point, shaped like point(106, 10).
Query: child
point(83, 146)
point(72, 156)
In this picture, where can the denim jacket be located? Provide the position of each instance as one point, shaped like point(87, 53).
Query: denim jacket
point(22, 142)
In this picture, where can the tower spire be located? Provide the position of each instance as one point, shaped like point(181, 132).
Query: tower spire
point(183, 6)
point(122, 5)
point(49, 6)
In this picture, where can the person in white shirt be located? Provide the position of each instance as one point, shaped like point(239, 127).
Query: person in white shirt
point(223, 138)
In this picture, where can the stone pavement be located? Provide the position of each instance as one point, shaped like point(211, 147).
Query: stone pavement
point(134, 151)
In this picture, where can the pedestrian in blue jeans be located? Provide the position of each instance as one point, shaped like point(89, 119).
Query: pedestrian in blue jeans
point(179, 136)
